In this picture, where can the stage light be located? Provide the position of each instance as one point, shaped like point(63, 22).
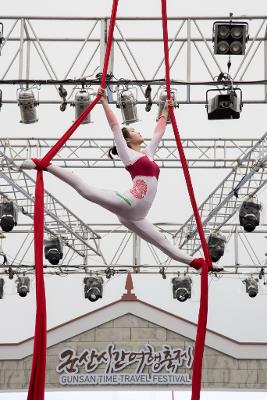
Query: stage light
point(2, 282)
point(8, 215)
point(23, 285)
point(162, 100)
point(181, 288)
point(249, 215)
point(53, 249)
point(127, 104)
point(251, 286)
point(216, 245)
point(93, 288)
point(81, 102)
point(224, 106)
point(230, 37)
point(27, 105)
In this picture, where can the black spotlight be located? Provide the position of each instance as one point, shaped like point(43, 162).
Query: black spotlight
point(251, 286)
point(53, 250)
point(2, 282)
point(23, 285)
point(93, 288)
point(216, 245)
point(230, 37)
point(181, 288)
point(225, 105)
point(249, 215)
point(8, 215)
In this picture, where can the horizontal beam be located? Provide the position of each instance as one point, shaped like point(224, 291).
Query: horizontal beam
point(121, 82)
point(93, 152)
point(81, 18)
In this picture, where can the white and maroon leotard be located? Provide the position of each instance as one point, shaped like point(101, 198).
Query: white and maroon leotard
point(132, 205)
point(141, 166)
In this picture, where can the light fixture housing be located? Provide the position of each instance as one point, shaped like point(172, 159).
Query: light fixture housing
point(216, 245)
point(27, 104)
point(23, 285)
point(127, 104)
point(230, 37)
point(53, 249)
point(252, 287)
point(82, 100)
point(2, 283)
point(8, 215)
point(249, 215)
point(181, 288)
point(93, 288)
point(162, 100)
point(226, 105)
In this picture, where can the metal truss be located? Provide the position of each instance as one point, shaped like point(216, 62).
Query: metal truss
point(19, 187)
point(30, 47)
point(125, 242)
point(226, 199)
point(93, 153)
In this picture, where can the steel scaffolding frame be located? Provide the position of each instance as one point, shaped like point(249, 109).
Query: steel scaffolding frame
point(93, 152)
point(191, 39)
point(19, 187)
point(221, 205)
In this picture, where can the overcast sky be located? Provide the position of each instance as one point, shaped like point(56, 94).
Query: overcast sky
point(233, 305)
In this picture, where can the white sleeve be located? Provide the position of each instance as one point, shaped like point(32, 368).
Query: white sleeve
point(157, 136)
point(127, 155)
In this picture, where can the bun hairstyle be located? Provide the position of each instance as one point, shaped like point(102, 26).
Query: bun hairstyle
point(113, 150)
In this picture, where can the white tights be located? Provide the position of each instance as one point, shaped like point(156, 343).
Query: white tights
point(109, 200)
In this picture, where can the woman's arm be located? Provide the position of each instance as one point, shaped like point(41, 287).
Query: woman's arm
point(122, 148)
point(159, 130)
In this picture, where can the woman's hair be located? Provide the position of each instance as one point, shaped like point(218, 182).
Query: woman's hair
point(113, 150)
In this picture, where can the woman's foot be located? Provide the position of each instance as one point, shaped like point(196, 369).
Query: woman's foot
point(197, 264)
point(27, 164)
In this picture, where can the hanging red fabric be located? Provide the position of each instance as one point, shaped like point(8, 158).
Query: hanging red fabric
point(36, 389)
point(203, 309)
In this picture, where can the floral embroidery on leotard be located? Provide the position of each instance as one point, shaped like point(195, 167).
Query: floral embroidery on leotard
point(139, 190)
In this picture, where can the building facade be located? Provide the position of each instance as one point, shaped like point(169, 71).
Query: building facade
point(132, 344)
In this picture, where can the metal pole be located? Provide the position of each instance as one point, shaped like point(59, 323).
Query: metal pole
point(188, 77)
point(21, 50)
point(103, 44)
point(265, 61)
point(136, 252)
point(236, 245)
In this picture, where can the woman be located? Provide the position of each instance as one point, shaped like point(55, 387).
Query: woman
point(132, 205)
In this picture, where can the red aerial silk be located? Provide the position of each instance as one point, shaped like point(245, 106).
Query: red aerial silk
point(203, 309)
point(37, 380)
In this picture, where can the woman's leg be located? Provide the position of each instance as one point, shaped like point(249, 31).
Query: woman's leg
point(105, 198)
point(149, 233)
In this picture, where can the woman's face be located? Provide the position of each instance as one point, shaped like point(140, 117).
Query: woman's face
point(134, 137)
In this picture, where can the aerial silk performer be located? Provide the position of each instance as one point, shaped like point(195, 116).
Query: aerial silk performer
point(132, 205)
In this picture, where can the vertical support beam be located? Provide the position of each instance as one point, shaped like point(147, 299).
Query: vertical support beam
point(236, 247)
point(28, 55)
point(188, 77)
point(136, 252)
point(103, 44)
point(21, 49)
point(265, 62)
